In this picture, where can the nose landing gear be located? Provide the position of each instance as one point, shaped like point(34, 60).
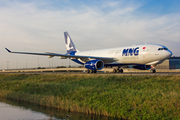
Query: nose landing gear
point(153, 70)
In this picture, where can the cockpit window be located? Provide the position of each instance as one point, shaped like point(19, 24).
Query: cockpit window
point(162, 49)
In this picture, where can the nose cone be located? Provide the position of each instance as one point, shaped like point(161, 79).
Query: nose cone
point(169, 54)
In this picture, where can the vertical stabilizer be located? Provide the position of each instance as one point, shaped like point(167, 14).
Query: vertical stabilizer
point(70, 47)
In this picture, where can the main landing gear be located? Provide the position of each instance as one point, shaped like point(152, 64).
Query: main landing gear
point(118, 70)
point(91, 71)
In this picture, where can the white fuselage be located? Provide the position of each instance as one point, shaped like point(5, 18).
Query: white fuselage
point(148, 54)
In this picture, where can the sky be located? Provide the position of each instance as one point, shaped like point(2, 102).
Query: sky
point(39, 26)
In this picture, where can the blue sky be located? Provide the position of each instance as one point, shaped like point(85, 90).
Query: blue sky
point(38, 26)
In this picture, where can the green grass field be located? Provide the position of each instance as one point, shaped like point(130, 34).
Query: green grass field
point(129, 97)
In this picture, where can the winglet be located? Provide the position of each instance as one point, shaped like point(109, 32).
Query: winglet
point(8, 50)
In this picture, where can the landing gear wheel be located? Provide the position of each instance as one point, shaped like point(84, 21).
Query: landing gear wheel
point(114, 70)
point(121, 70)
point(117, 70)
point(153, 70)
point(91, 71)
point(88, 71)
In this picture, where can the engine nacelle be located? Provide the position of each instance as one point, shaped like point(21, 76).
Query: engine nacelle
point(142, 67)
point(94, 65)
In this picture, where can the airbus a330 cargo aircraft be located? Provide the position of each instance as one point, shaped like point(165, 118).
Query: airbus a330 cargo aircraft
point(143, 57)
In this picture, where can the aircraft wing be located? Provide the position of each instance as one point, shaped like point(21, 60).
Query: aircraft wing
point(64, 56)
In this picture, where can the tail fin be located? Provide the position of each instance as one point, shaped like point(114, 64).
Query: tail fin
point(70, 47)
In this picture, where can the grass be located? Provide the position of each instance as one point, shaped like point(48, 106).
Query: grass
point(129, 97)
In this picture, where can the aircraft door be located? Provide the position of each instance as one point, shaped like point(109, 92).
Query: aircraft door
point(146, 53)
point(148, 50)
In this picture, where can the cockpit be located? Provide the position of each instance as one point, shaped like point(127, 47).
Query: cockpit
point(163, 48)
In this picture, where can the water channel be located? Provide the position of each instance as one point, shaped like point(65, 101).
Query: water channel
point(18, 110)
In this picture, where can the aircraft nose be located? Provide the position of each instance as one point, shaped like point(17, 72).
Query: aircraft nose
point(169, 53)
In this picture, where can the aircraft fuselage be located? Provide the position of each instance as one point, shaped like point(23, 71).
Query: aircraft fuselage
point(138, 54)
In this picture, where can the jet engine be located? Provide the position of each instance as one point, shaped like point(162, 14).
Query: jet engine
point(94, 65)
point(142, 67)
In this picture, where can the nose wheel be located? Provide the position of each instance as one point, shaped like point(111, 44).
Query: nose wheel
point(153, 70)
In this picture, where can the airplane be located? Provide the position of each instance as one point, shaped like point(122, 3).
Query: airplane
point(142, 57)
